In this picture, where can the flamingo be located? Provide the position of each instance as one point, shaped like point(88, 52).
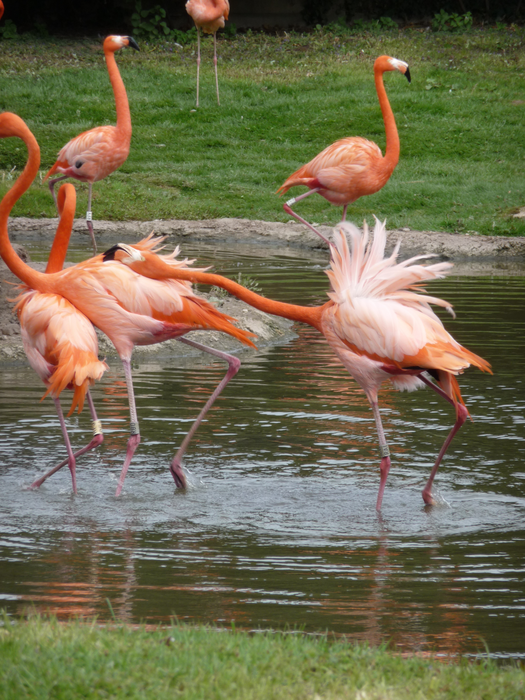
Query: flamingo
point(61, 344)
point(209, 15)
point(375, 321)
point(129, 308)
point(351, 167)
point(93, 155)
point(1, 9)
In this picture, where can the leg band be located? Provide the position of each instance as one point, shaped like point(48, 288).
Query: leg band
point(97, 427)
point(384, 451)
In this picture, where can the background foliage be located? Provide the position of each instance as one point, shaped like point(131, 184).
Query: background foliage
point(112, 16)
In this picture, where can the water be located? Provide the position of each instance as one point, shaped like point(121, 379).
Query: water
point(278, 528)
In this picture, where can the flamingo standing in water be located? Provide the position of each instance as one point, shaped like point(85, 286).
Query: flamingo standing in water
point(129, 308)
point(376, 322)
point(209, 15)
point(351, 167)
point(60, 342)
point(95, 154)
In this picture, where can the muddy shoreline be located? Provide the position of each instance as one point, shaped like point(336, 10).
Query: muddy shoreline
point(480, 255)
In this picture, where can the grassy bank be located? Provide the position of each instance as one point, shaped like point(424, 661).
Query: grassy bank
point(45, 659)
point(283, 99)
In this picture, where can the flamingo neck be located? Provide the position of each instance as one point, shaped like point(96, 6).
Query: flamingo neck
point(17, 266)
point(310, 315)
point(391, 157)
point(58, 252)
point(121, 97)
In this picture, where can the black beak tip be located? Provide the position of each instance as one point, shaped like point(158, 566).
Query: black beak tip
point(407, 75)
point(133, 43)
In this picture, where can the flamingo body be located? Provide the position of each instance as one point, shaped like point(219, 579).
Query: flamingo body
point(94, 154)
point(352, 167)
point(208, 15)
point(60, 343)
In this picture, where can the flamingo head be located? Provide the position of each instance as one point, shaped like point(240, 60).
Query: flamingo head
point(386, 63)
point(115, 42)
point(124, 253)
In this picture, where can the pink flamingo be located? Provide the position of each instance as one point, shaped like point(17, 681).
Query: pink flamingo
point(129, 308)
point(352, 167)
point(210, 16)
point(375, 321)
point(95, 154)
point(61, 344)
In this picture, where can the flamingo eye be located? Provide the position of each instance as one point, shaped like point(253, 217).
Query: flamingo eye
point(79, 164)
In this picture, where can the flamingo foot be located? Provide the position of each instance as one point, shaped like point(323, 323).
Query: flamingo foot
point(97, 440)
point(177, 472)
point(428, 498)
point(133, 443)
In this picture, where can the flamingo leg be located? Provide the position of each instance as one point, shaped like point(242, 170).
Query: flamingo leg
point(51, 185)
point(288, 209)
point(71, 457)
point(89, 219)
point(198, 61)
point(461, 417)
point(384, 467)
point(96, 440)
point(215, 65)
point(233, 367)
point(134, 438)
point(344, 212)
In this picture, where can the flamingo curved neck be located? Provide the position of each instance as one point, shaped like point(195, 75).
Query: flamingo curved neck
point(391, 156)
point(18, 267)
point(121, 97)
point(310, 315)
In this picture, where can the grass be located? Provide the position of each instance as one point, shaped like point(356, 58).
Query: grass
point(44, 659)
point(283, 99)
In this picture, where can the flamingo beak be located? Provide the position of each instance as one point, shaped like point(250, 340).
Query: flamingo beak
point(407, 75)
point(133, 43)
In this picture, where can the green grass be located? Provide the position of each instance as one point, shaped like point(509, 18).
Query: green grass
point(44, 659)
point(283, 99)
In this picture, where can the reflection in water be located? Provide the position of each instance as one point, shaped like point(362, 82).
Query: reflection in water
point(278, 528)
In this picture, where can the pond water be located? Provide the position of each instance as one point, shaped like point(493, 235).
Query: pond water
point(278, 529)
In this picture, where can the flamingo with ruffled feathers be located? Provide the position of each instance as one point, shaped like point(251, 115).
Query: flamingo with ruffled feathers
point(351, 167)
point(377, 322)
point(129, 308)
point(60, 342)
point(93, 155)
point(208, 15)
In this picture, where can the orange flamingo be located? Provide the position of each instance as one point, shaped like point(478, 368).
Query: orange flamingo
point(1, 9)
point(130, 309)
point(95, 154)
point(352, 167)
point(376, 322)
point(61, 344)
point(209, 15)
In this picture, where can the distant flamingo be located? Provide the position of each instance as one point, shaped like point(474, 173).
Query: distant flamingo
point(351, 167)
point(210, 16)
point(130, 309)
point(95, 154)
point(375, 322)
point(61, 344)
